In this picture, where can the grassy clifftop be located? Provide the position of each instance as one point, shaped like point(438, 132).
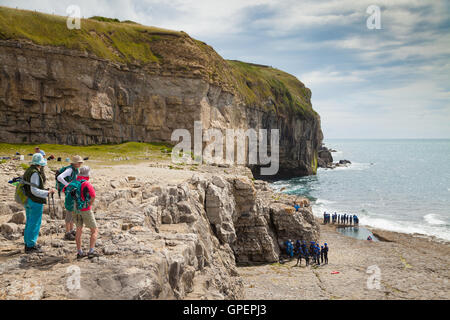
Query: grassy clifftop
point(130, 43)
point(259, 83)
point(121, 42)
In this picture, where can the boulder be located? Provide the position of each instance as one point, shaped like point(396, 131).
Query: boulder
point(297, 225)
point(18, 218)
point(324, 157)
point(15, 207)
point(9, 228)
point(5, 209)
point(220, 209)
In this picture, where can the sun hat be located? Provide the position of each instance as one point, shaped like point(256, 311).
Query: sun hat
point(77, 159)
point(38, 160)
point(85, 171)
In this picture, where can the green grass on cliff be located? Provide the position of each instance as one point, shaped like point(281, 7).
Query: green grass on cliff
point(132, 150)
point(128, 42)
point(256, 83)
point(117, 41)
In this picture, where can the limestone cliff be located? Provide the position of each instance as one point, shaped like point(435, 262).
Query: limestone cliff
point(115, 82)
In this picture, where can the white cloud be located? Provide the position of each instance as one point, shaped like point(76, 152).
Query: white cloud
point(392, 82)
point(315, 78)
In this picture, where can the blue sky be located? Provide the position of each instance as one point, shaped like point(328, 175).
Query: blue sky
point(388, 83)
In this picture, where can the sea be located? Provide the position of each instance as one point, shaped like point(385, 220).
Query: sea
point(395, 185)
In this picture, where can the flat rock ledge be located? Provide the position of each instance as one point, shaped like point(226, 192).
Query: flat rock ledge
point(156, 241)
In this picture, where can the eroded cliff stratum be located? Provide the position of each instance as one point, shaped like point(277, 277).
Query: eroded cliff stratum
point(111, 82)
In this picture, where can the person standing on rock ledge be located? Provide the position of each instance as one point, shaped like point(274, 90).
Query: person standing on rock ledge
point(35, 203)
point(64, 177)
point(86, 216)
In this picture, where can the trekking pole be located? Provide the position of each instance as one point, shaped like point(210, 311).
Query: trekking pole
point(49, 206)
point(54, 207)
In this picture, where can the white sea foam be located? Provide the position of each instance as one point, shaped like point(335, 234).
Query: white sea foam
point(366, 219)
point(433, 219)
point(277, 186)
point(322, 205)
point(323, 201)
point(406, 227)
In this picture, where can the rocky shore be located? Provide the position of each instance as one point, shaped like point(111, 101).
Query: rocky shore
point(325, 159)
point(163, 234)
point(213, 233)
point(408, 266)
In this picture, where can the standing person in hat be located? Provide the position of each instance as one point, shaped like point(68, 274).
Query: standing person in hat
point(67, 175)
point(34, 206)
point(86, 216)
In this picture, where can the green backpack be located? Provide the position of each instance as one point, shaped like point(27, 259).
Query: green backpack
point(20, 195)
point(74, 201)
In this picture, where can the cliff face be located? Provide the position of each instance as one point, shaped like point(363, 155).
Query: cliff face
point(93, 90)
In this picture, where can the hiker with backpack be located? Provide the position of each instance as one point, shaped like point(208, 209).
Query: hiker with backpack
point(64, 176)
point(33, 189)
point(80, 195)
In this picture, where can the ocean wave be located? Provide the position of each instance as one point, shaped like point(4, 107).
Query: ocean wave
point(433, 219)
point(323, 201)
point(320, 206)
point(407, 227)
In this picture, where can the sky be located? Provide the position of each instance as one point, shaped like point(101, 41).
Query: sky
point(387, 82)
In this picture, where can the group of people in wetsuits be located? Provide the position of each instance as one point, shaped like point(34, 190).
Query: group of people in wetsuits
point(318, 254)
point(340, 218)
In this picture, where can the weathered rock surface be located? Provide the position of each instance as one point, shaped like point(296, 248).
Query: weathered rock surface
point(159, 242)
point(325, 159)
point(18, 218)
point(344, 162)
point(9, 228)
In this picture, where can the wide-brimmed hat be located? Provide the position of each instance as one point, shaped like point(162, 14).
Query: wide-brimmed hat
point(77, 159)
point(85, 171)
point(38, 160)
